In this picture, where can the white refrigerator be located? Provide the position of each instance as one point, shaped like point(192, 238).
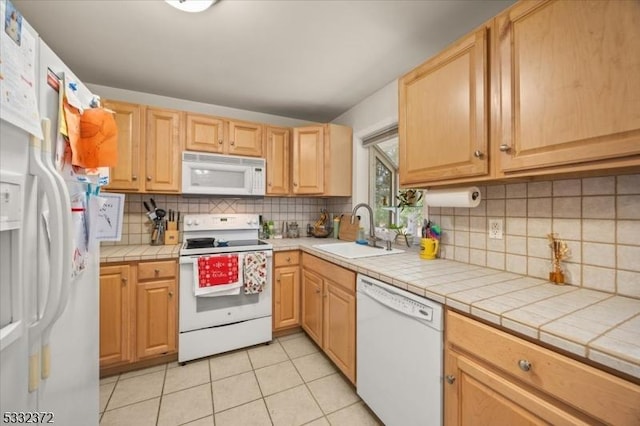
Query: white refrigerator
point(49, 310)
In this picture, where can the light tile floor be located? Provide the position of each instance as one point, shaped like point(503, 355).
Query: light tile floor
point(289, 382)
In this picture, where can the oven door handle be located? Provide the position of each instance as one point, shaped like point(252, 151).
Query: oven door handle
point(188, 259)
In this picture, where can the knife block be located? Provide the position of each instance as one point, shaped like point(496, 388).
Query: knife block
point(171, 236)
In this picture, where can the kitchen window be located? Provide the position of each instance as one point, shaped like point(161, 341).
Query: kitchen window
point(384, 178)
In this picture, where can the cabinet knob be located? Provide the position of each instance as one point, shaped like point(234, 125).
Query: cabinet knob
point(295, 184)
point(170, 294)
point(232, 143)
point(157, 271)
point(450, 378)
point(524, 365)
point(134, 177)
point(269, 183)
point(288, 259)
point(504, 147)
point(125, 281)
point(148, 178)
point(478, 154)
point(318, 291)
point(220, 141)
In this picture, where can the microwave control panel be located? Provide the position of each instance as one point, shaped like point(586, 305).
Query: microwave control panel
point(258, 180)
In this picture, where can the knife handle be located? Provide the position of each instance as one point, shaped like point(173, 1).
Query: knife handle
point(146, 206)
point(153, 203)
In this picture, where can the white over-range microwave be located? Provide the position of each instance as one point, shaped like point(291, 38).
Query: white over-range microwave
point(213, 174)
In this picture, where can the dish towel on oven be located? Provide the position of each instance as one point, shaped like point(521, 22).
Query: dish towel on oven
point(218, 275)
point(255, 272)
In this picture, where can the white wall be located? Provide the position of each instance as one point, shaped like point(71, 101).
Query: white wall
point(374, 113)
point(113, 93)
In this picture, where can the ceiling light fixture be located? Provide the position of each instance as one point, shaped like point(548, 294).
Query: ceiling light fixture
point(192, 6)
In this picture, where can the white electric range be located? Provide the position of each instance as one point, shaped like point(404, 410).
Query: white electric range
point(218, 322)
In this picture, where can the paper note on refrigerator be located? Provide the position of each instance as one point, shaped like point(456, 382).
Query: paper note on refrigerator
point(18, 101)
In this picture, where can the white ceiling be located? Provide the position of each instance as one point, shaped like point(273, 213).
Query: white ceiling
point(310, 60)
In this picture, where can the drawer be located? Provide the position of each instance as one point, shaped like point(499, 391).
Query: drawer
point(154, 270)
point(600, 394)
point(345, 278)
point(286, 258)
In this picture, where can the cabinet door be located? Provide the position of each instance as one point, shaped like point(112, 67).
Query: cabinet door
point(312, 305)
point(205, 133)
point(163, 166)
point(278, 160)
point(339, 328)
point(308, 160)
point(128, 174)
point(569, 83)
point(245, 138)
point(286, 309)
point(115, 315)
point(156, 318)
point(443, 123)
point(476, 395)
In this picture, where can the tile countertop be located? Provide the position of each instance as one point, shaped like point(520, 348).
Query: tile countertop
point(602, 327)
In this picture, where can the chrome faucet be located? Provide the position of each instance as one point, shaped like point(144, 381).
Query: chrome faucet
point(372, 228)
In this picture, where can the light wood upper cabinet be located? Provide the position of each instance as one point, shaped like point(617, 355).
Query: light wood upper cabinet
point(443, 114)
point(116, 298)
point(322, 160)
point(308, 160)
point(205, 133)
point(164, 148)
point(495, 378)
point(128, 174)
point(570, 91)
point(245, 138)
point(221, 136)
point(278, 146)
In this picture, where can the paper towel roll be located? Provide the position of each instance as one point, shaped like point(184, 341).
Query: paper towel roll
point(460, 197)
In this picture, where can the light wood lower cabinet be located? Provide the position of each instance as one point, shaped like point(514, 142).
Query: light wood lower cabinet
point(116, 296)
point(329, 311)
point(156, 328)
point(495, 378)
point(286, 290)
point(138, 311)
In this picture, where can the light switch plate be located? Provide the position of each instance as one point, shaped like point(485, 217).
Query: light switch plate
point(495, 229)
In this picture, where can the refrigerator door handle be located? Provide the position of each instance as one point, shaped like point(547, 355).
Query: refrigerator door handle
point(67, 246)
point(47, 183)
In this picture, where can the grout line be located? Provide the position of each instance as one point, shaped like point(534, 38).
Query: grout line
point(164, 380)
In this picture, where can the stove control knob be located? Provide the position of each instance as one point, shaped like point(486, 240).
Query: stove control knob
point(196, 222)
point(189, 222)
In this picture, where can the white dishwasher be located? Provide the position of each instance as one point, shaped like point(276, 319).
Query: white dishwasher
point(399, 354)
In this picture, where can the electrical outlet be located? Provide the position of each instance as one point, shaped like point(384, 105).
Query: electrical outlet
point(495, 229)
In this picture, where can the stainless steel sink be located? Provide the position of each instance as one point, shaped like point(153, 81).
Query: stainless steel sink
point(355, 251)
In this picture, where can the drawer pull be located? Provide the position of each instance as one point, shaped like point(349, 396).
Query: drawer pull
point(450, 378)
point(134, 177)
point(524, 365)
point(504, 147)
point(288, 259)
point(157, 271)
point(478, 154)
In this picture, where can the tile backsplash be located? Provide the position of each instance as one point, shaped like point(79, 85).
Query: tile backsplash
point(137, 227)
point(598, 217)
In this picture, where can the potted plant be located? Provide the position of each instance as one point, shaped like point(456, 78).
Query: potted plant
point(408, 198)
point(401, 235)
